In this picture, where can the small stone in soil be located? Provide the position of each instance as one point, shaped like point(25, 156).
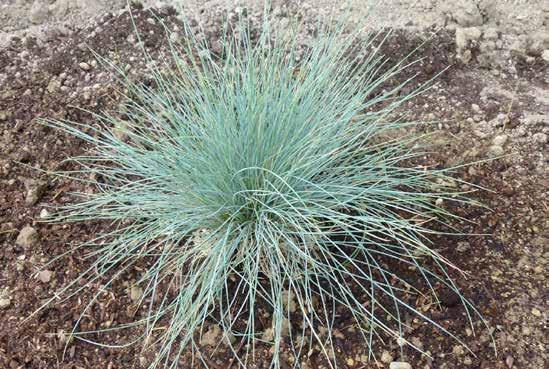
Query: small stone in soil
point(27, 237)
point(35, 192)
point(268, 335)
point(500, 140)
point(399, 365)
point(386, 357)
point(496, 150)
point(84, 66)
point(136, 293)
point(5, 299)
point(458, 350)
point(20, 263)
point(210, 338)
point(417, 342)
point(4, 303)
point(540, 137)
point(463, 246)
point(45, 276)
point(44, 213)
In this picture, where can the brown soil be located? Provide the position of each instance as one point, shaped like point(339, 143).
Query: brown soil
point(505, 267)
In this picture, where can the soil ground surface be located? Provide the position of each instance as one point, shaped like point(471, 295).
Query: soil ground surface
point(492, 102)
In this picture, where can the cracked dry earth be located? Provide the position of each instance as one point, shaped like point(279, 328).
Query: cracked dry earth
point(482, 113)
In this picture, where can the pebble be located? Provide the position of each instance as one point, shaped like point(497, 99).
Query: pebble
point(27, 237)
point(45, 276)
point(399, 365)
point(5, 299)
point(496, 150)
point(4, 302)
point(386, 357)
point(268, 335)
point(534, 119)
point(500, 140)
point(540, 137)
point(44, 213)
point(136, 293)
point(545, 55)
point(84, 66)
point(35, 192)
point(463, 246)
point(500, 121)
point(38, 11)
point(536, 312)
point(491, 34)
point(53, 86)
point(210, 338)
point(458, 350)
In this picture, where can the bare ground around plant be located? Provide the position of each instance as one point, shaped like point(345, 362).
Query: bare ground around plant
point(480, 113)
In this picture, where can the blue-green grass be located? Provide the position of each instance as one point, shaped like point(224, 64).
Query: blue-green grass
point(250, 178)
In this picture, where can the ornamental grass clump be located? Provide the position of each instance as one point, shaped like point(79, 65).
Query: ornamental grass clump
point(256, 180)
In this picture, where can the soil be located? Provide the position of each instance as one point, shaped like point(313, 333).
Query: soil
point(482, 110)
